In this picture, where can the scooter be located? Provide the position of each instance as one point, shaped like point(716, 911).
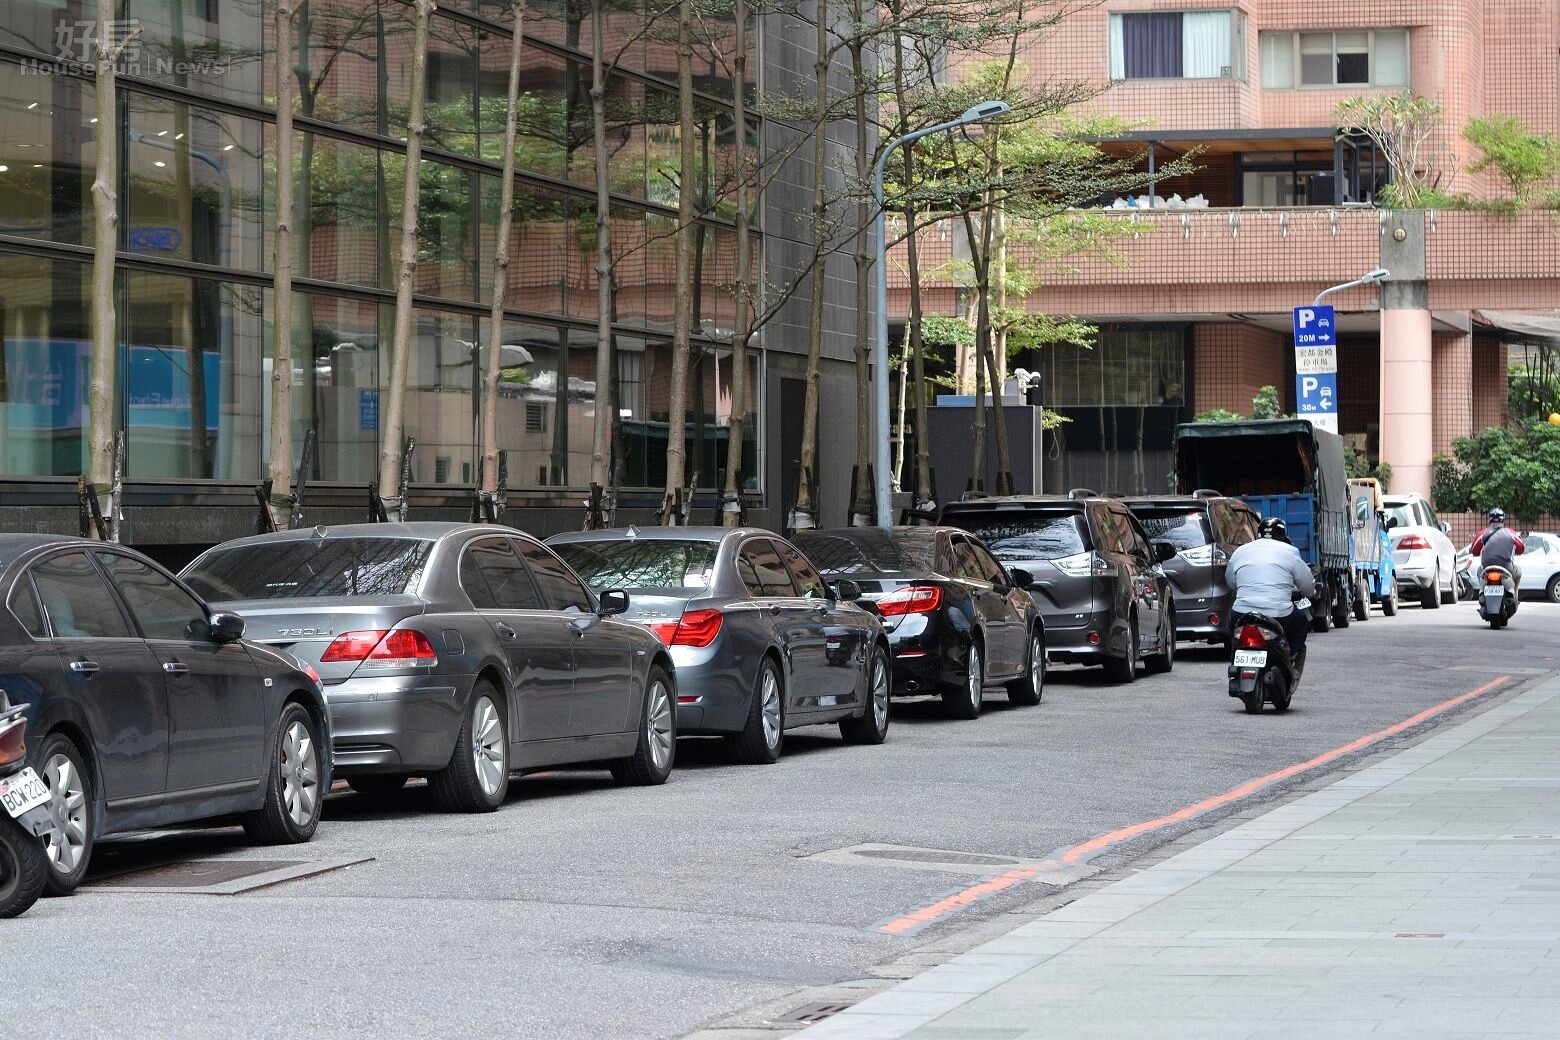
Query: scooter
point(24, 817)
point(1262, 670)
point(1498, 597)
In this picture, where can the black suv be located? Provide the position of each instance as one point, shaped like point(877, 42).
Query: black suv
point(1201, 529)
point(1097, 577)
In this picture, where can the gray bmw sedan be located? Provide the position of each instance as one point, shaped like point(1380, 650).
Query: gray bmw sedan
point(761, 642)
point(462, 652)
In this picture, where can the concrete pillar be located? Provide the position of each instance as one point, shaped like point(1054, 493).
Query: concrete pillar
point(1407, 384)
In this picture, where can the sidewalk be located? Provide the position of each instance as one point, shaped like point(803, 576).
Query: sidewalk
point(1418, 898)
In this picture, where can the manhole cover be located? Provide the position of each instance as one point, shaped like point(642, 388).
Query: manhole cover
point(196, 873)
point(812, 1012)
point(969, 859)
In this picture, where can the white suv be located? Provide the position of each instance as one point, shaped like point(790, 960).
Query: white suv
point(1424, 557)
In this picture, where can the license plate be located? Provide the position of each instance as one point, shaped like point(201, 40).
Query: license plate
point(22, 791)
point(1250, 658)
point(1494, 590)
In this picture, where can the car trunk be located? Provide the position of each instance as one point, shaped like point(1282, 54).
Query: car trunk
point(306, 627)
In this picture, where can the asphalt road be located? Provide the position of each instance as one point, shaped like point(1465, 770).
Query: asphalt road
point(585, 910)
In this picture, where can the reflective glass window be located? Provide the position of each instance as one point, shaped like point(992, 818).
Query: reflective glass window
point(76, 599)
point(160, 608)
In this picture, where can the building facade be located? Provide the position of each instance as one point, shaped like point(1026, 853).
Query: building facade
point(196, 142)
point(1283, 204)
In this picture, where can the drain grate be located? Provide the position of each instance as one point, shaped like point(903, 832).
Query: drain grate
point(196, 873)
point(810, 1013)
point(968, 859)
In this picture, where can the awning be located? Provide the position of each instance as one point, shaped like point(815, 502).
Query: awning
point(1544, 325)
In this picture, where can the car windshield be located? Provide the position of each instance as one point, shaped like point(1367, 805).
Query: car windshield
point(1178, 528)
point(1028, 535)
point(870, 551)
point(651, 563)
point(311, 568)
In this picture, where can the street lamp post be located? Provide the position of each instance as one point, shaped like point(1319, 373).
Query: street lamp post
point(881, 466)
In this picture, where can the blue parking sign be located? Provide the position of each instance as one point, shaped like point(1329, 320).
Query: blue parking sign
point(1315, 327)
point(1316, 366)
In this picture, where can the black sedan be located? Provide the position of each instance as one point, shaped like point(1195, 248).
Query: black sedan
point(147, 709)
point(957, 619)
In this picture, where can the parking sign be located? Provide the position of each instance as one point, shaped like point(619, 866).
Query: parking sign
point(1316, 366)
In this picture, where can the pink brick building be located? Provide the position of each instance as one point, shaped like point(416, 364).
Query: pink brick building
point(1198, 314)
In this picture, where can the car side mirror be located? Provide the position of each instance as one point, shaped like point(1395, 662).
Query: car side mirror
point(1022, 579)
point(226, 628)
point(1445, 527)
point(612, 601)
point(847, 590)
point(1164, 553)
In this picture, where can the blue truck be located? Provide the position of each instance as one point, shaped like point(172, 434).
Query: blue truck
point(1285, 468)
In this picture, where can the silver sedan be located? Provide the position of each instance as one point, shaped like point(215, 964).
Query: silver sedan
point(461, 652)
point(762, 644)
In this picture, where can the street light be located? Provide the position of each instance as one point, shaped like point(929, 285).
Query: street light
point(1373, 277)
point(881, 465)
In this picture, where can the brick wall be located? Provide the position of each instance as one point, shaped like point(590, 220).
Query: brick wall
point(1232, 362)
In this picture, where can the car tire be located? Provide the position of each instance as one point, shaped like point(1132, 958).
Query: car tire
point(378, 785)
point(763, 734)
point(1448, 594)
point(871, 726)
point(1164, 661)
point(477, 778)
point(1124, 669)
point(24, 869)
point(1552, 590)
point(656, 750)
point(1430, 596)
point(1342, 605)
point(964, 702)
point(1389, 602)
point(68, 846)
point(1026, 692)
point(294, 795)
point(1361, 599)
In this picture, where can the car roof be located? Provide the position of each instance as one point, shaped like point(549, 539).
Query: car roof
point(704, 533)
point(15, 545)
point(1001, 503)
point(422, 530)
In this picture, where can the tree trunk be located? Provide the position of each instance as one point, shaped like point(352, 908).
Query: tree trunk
point(732, 517)
point(922, 496)
point(280, 466)
point(806, 506)
point(980, 255)
point(682, 331)
point(867, 425)
point(391, 434)
point(506, 205)
point(101, 388)
point(606, 408)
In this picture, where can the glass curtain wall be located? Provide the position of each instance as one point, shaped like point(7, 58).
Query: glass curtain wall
point(196, 139)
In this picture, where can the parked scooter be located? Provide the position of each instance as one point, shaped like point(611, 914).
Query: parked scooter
point(24, 817)
point(1498, 597)
point(1262, 669)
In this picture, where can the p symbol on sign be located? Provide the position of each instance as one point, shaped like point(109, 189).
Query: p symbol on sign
point(1305, 316)
point(1308, 385)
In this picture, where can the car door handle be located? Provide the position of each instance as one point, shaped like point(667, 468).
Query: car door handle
point(176, 667)
point(774, 610)
point(504, 630)
point(85, 667)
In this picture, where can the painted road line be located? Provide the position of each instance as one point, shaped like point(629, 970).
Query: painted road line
point(1065, 863)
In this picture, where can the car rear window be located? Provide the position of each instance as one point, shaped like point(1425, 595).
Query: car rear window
point(311, 568)
point(1180, 528)
point(654, 563)
point(1030, 535)
point(870, 551)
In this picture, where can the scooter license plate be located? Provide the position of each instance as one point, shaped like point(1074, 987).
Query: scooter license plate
point(1494, 590)
point(21, 792)
point(1250, 658)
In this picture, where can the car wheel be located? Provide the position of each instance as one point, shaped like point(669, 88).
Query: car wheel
point(1162, 662)
point(651, 762)
point(871, 727)
point(1342, 605)
point(378, 785)
point(763, 735)
point(964, 702)
point(69, 842)
point(1026, 692)
point(1389, 602)
point(1430, 596)
point(293, 795)
point(1361, 600)
point(1124, 669)
point(477, 778)
point(1552, 590)
point(24, 870)
point(1448, 594)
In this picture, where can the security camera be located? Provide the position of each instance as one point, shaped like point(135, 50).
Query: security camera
point(1027, 380)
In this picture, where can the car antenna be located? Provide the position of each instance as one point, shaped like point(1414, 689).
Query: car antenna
point(319, 530)
point(633, 531)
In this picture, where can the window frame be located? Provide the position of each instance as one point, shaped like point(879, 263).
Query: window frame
point(742, 549)
point(101, 556)
point(1236, 57)
point(467, 551)
point(131, 629)
point(1372, 82)
point(519, 545)
point(24, 581)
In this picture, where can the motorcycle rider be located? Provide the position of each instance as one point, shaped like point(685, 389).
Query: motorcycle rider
point(1498, 546)
point(1267, 576)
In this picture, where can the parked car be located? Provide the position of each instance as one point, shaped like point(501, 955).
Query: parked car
point(1422, 555)
point(1202, 530)
point(762, 644)
point(1098, 582)
point(459, 652)
point(957, 620)
point(146, 707)
point(1540, 566)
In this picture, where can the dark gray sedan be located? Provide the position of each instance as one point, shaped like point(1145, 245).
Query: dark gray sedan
point(462, 652)
point(762, 643)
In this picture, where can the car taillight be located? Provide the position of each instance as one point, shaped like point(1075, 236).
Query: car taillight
point(913, 599)
point(13, 744)
point(694, 628)
point(1251, 638)
point(397, 648)
point(1414, 541)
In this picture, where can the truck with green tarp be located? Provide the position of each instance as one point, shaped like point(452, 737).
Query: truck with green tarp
point(1285, 468)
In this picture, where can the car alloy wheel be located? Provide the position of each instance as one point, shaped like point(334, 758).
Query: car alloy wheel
point(66, 842)
point(300, 770)
point(659, 724)
point(489, 752)
point(769, 694)
point(879, 693)
point(975, 680)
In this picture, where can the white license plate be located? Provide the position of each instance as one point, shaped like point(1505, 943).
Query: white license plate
point(1494, 590)
point(1250, 658)
point(22, 791)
